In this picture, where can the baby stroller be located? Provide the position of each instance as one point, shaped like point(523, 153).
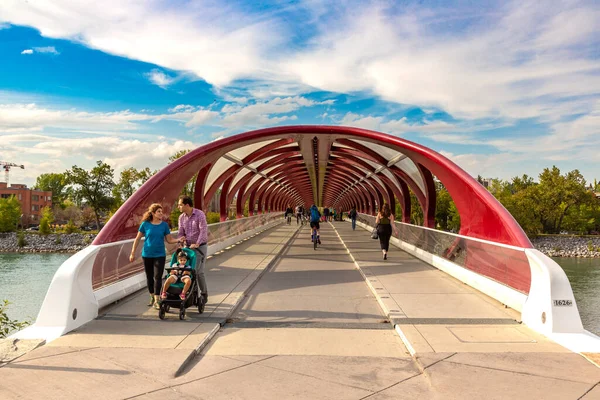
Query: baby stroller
point(192, 298)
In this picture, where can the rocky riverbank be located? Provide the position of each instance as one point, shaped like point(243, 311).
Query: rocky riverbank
point(52, 243)
point(568, 246)
point(553, 246)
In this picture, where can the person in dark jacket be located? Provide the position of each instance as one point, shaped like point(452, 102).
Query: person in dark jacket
point(353, 214)
point(385, 227)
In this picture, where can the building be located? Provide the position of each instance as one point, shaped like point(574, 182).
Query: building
point(32, 201)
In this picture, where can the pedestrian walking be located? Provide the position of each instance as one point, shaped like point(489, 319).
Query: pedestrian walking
point(155, 231)
point(385, 227)
point(353, 214)
point(193, 230)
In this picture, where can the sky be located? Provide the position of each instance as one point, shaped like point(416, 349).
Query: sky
point(501, 88)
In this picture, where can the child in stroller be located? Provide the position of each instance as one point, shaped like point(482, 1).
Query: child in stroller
point(179, 272)
point(181, 287)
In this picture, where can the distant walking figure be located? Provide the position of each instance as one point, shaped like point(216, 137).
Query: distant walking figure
point(385, 226)
point(352, 214)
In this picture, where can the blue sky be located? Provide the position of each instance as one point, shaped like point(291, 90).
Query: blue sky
point(501, 88)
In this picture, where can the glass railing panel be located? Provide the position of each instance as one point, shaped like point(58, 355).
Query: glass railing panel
point(112, 262)
point(505, 264)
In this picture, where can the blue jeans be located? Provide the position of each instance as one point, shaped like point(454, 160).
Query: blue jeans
point(353, 223)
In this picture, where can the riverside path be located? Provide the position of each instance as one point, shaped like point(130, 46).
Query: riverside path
point(286, 321)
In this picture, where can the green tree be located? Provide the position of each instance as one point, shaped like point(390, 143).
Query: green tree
point(416, 212)
point(10, 214)
point(442, 208)
point(130, 180)
point(46, 220)
point(93, 187)
point(55, 183)
point(557, 194)
point(453, 218)
point(188, 189)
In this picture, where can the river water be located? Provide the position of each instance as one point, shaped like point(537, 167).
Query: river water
point(24, 280)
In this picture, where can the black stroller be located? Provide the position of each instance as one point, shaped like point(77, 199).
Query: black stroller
point(192, 298)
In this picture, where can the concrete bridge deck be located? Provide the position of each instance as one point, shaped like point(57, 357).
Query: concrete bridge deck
point(299, 323)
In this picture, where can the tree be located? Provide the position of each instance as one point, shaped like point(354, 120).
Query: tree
point(416, 212)
point(189, 187)
point(69, 213)
point(10, 214)
point(93, 187)
point(557, 194)
point(55, 183)
point(131, 179)
point(442, 208)
point(46, 220)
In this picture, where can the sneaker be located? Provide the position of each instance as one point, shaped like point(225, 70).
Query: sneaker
point(151, 302)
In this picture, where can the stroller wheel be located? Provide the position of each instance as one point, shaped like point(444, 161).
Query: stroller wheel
point(161, 312)
point(167, 308)
point(182, 313)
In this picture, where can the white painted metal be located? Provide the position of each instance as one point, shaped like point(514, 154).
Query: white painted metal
point(538, 310)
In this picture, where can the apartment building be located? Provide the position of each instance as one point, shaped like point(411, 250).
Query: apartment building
point(32, 201)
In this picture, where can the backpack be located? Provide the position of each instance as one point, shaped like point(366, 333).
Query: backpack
point(315, 215)
point(352, 214)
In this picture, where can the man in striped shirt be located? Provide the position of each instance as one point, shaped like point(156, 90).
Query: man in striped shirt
point(194, 230)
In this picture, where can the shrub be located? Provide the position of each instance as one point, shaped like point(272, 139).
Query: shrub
point(213, 218)
point(10, 213)
point(8, 325)
point(70, 227)
point(46, 220)
point(590, 246)
point(87, 240)
point(58, 240)
point(21, 242)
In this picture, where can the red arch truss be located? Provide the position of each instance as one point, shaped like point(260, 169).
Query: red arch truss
point(330, 166)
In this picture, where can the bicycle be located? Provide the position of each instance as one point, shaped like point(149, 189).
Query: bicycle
point(289, 219)
point(313, 237)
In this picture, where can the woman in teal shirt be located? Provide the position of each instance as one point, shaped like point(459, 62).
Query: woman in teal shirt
point(156, 232)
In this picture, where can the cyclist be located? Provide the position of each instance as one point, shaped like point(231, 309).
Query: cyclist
point(288, 214)
point(315, 217)
point(299, 212)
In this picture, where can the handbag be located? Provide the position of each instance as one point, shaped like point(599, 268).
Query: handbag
point(374, 234)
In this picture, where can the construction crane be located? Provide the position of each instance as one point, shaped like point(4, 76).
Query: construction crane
point(7, 165)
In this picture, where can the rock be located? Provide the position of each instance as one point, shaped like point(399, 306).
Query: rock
point(568, 246)
point(52, 243)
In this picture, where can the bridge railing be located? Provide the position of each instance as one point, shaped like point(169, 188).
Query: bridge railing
point(112, 262)
point(521, 278)
point(102, 274)
point(502, 263)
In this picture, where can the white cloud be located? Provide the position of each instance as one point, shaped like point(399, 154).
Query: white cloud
point(46, 50)
point(512, 60)
point(159, 78)
point(51, 154)
point(43, 50)
point(31, 116)
point(202, 117)
point(396, 126)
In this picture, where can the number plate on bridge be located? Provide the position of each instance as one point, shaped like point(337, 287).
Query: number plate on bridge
point(563, 303)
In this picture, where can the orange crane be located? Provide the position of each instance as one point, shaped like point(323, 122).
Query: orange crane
point(7, 165)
